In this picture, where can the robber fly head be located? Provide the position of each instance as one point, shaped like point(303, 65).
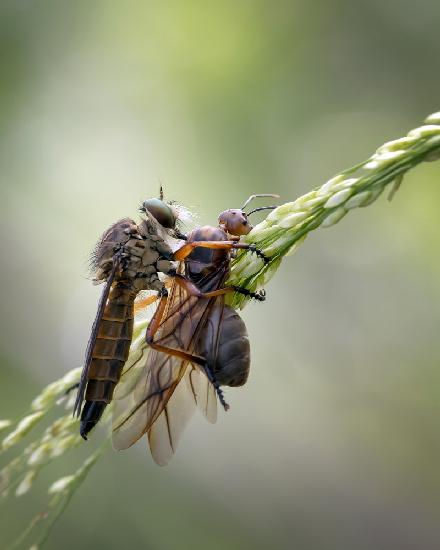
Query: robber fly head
point(235, 220)
point(163, 212)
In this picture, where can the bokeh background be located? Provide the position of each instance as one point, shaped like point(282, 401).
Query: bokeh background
point(334, 443)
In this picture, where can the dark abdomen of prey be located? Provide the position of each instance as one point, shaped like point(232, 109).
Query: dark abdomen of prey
point(224, 343)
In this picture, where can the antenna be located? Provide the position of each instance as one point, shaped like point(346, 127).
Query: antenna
point(252, 197)
point(261, 208)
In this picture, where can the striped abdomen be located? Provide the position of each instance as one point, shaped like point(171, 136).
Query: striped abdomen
point(110, 352)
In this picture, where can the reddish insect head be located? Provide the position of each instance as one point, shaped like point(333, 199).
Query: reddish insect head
point(235, 222)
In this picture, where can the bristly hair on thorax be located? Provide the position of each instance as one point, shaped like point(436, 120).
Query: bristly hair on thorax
point(185, 218)
point(103, 250)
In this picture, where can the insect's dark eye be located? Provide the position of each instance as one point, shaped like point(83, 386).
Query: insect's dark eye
point(161, 211)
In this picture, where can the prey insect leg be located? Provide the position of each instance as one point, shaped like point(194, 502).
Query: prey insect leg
point(153, 328)
point(217, 387)
point(187, 248)
point(192, 290)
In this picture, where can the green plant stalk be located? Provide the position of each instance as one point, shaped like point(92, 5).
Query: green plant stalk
point(279, 235)
point(62, 492)
point(287, 226)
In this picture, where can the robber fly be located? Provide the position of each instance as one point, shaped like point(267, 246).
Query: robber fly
point(198, 343)
point(128, 258)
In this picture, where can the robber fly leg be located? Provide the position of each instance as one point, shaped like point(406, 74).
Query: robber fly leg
point(144, 302)
point(148, 300)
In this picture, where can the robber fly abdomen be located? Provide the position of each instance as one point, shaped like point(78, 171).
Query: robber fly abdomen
point(110, 352)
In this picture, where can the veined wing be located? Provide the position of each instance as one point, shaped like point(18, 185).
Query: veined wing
point(136, 412)
point(203, 393)
point(164, 435)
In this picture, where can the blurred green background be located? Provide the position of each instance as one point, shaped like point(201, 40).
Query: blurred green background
point(334, 443)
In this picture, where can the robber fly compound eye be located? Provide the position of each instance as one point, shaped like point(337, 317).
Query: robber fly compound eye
point(161, 211)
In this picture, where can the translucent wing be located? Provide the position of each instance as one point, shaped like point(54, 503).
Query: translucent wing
point(193, 390)
point(203, 393)
point(158, 378)
point(164, 434)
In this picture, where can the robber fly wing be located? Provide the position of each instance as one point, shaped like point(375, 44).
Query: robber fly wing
point(194, 389)
point(165, 433)
point(92, 340)
point(203, 393)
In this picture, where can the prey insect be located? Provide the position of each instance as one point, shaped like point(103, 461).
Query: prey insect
point(128, 259)
point(197, 343)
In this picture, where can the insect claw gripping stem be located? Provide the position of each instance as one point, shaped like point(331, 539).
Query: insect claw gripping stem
point(259, 296)
point(253, 248)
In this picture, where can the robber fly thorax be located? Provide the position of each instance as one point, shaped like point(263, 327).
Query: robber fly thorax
point(143, 249)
